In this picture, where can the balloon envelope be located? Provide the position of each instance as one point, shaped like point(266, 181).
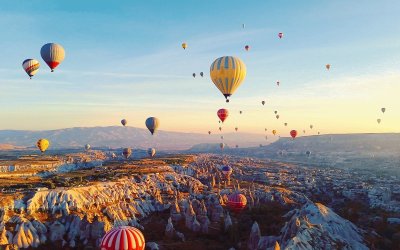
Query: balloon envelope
point(53, 54)
point(184, 45)
point(42, 144)
point(125, 237)
point(124, 122)
point(31, 66)
point(222, 114)
point(293, 133)
point(127, 152)
point(383, 110)
point(227, 73)
point(152, 124)
point(151, 152)
point(280, 35)
point(237, 202)
point(87, 146)
point(274, 132)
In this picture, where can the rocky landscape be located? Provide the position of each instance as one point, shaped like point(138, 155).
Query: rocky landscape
point(177, 206)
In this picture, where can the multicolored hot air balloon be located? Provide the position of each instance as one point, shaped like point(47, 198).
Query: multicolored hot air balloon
point(383, 110)
point(184, 45)
point(126, 152)
point(125, 237)
point(274, 132)
point(293, 133)
point(237, 202)
point(328, 66)
point(152, 124)
point(222, 114)
point(280, 35)
point(151, 152)
point(87, 147)
point(124, 122)
point(53, 54)
point(247, 47)
point(42, 145)
point(31, 67)
point(227, 73)
point(263, 102)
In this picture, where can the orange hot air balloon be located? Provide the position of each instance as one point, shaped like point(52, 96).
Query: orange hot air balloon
point(274, 132)
point(293, 134)
point(247, 47)
point(223, 114)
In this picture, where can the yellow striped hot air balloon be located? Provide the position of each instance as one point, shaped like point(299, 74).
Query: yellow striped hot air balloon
point(227, 73)
point(42, 144)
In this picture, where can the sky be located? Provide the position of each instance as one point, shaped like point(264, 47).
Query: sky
point(124, 60)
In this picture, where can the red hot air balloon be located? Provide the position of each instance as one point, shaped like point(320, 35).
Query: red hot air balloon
point(127, 238)
point(237, 202)
point(280, 35)
point(223, 114)
point(247, 47)
point(293, 134)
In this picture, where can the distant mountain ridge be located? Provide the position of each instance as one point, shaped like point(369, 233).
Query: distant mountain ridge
point(118, 136)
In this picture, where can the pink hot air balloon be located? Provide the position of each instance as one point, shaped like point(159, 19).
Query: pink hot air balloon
point(127, 238)
point(280, 35)
point(237, 202)
point(223, 114)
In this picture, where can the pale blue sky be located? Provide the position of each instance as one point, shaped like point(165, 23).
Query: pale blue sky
point(125, 61)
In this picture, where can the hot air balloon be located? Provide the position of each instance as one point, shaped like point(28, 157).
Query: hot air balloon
point(280, 35)
point(237, 146)
point(263, 102)
point(236, 129)
point(328, 66)
point(184, 45)
point(277, 116)
point(125, 237)
point(308, 153)
point(304, 131)
point(318, 133)
point(274, 132)
point(383, 110)
point(152, 124)
point(201, 74)
point(277, 83)
point(237, 202)
point(265, 129)
point(220, 128)
point(227, 73)
point(222, 145)
point(87, 147)
point(378, 120)
point(126, 152)
point(222, 137)
point(222, 114)
point(194, 75)
point(243, 26)
point(53, 54)
point(276, 112)
point(209, 132)
point(42, 145)
point(151, 152)
point(285, 124)
point(31, 67)
point(124, 122)
point(260, 145)
point(293, 133)
point(247, 47)
point(240, 112)
point(311, 126)
point(226, 170)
